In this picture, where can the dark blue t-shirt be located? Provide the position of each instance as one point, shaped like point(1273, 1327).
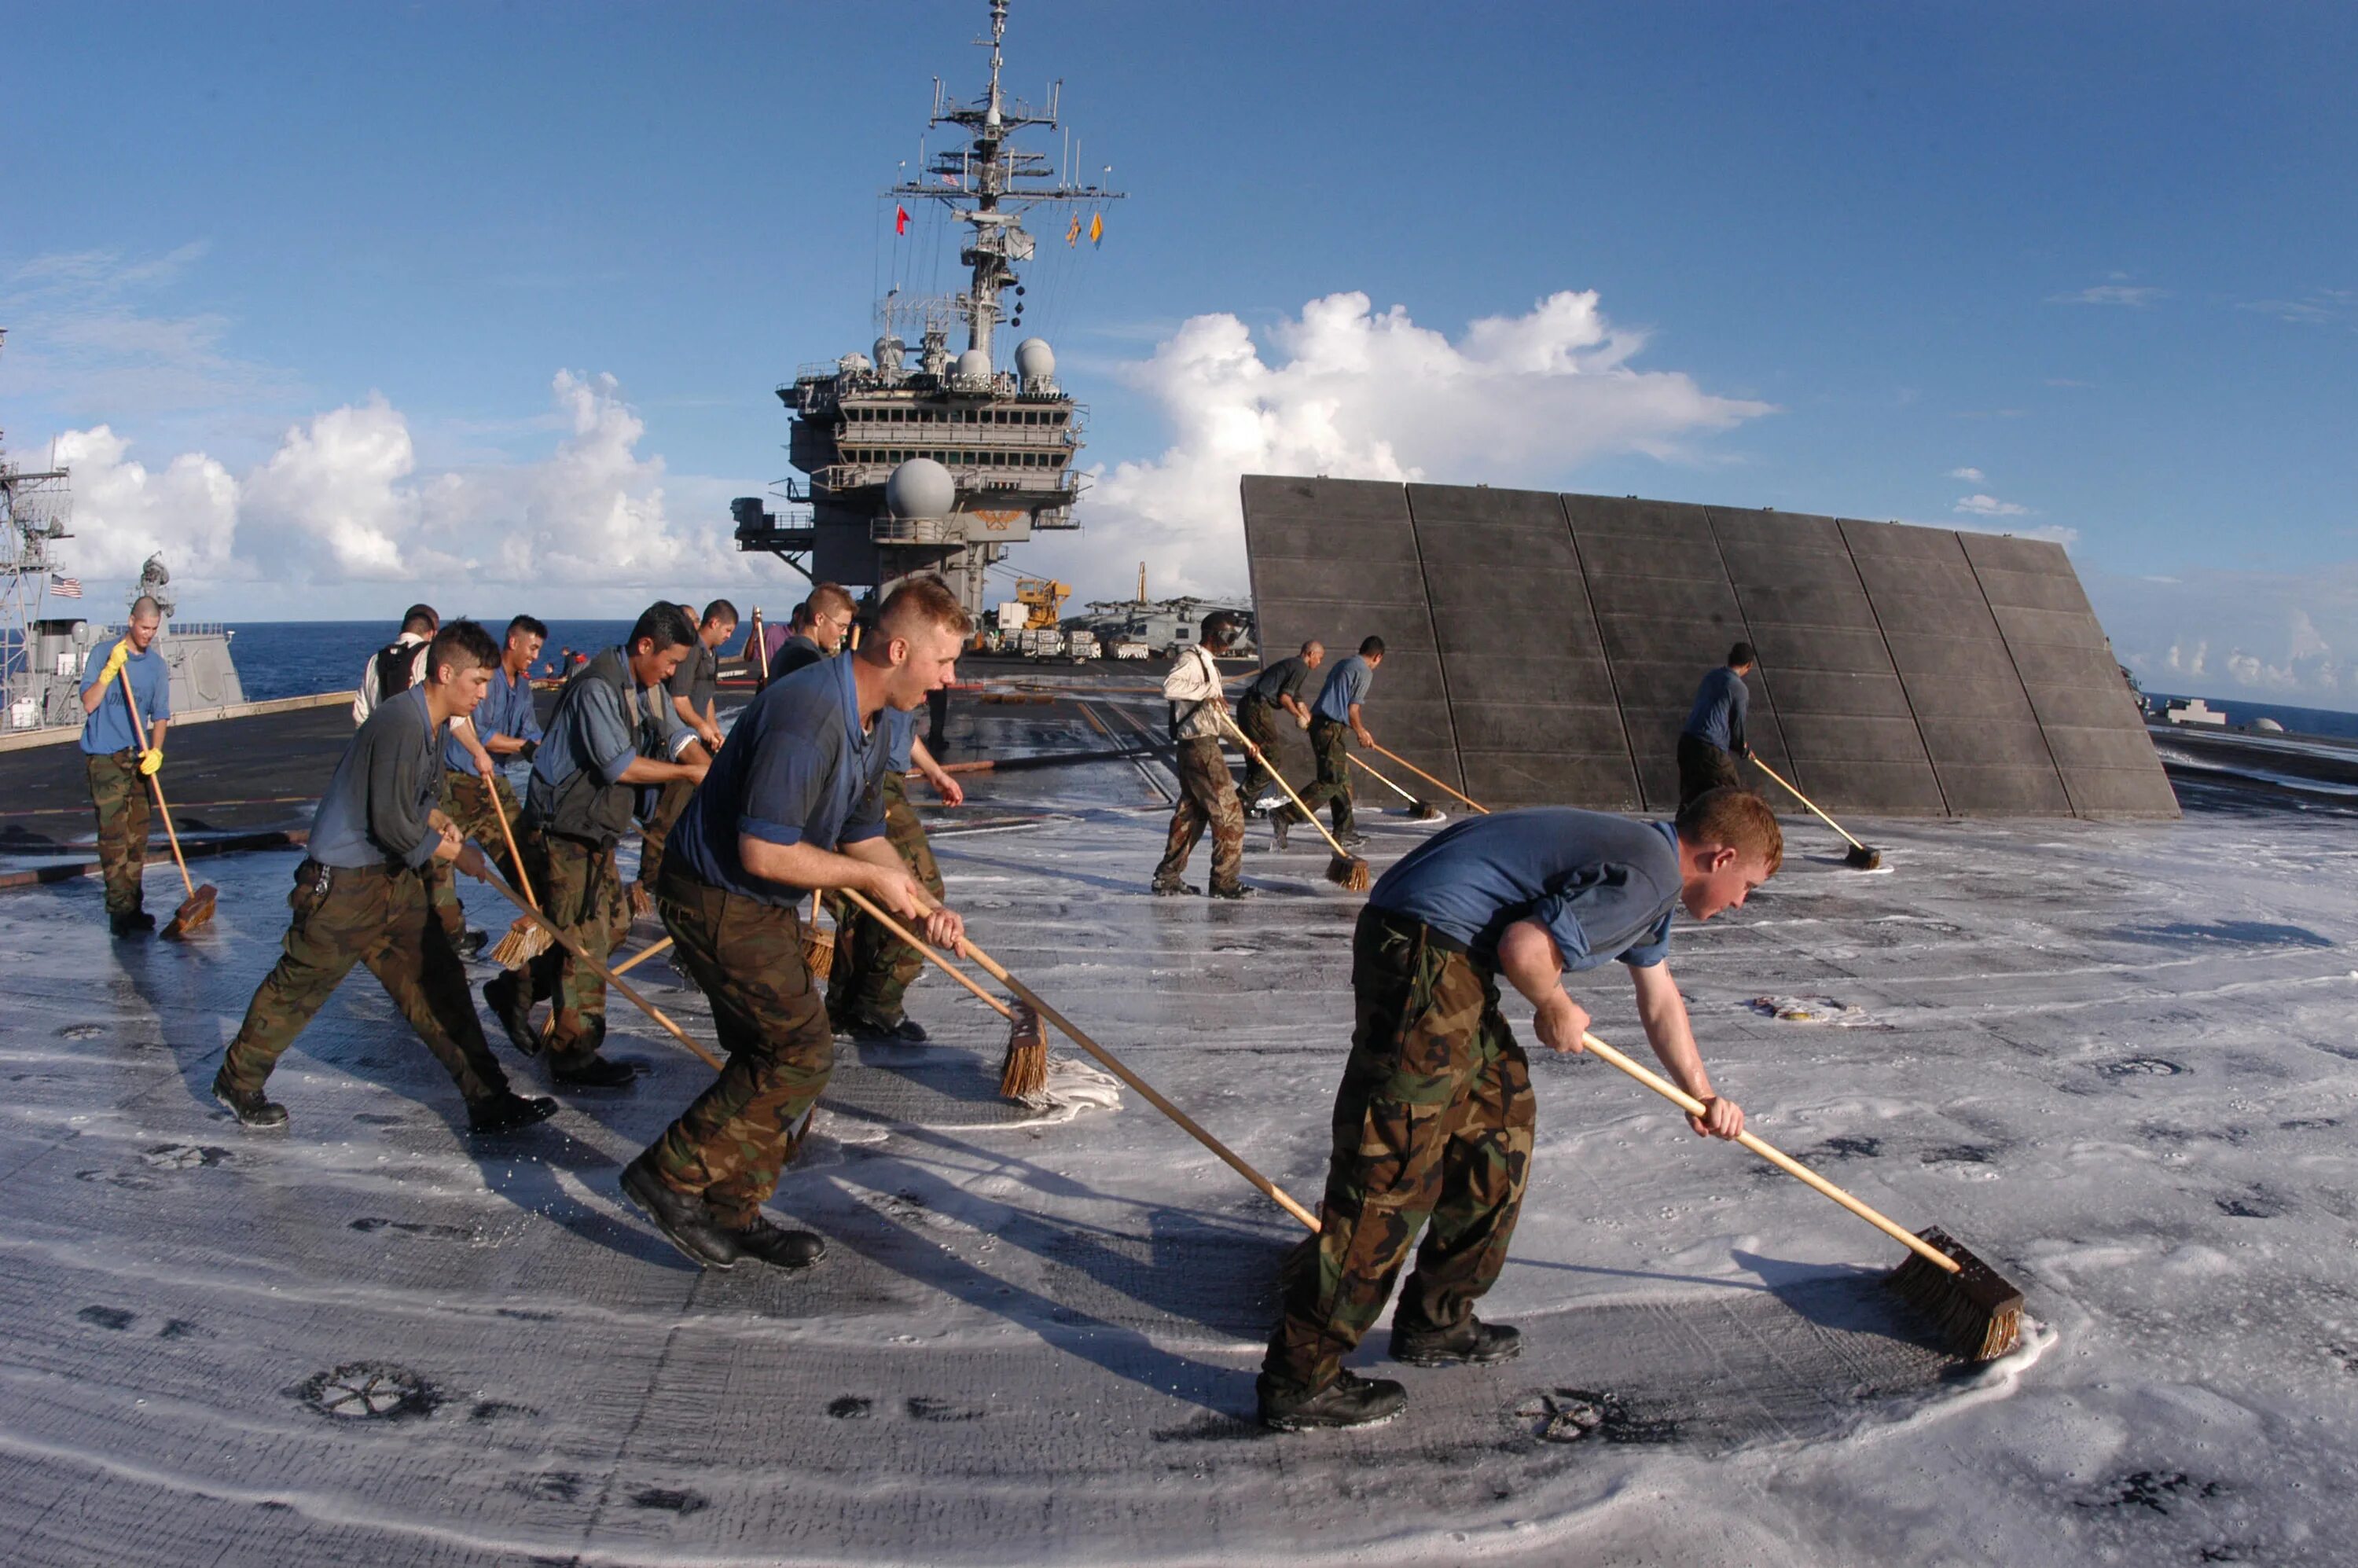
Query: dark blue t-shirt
point(797, 769)
point(1604, 887)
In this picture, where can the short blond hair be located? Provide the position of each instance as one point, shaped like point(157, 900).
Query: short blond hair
point(831, 595)
point(925, 598)
point(1731, 818)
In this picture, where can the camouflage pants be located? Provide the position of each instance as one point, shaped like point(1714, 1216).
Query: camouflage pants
point(1432, 1132)
point(121, 797)
point(467, 801)
point(1703, 766)
point(581, 891)
point(379, 919)
point(874, 968)
point(1208, 796)
point(1258, 720)
point(747, 956)
point(670, 801)
point(1332, 787)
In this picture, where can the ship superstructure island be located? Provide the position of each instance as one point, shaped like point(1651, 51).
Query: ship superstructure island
point(922, 459)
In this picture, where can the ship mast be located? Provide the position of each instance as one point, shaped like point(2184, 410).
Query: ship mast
point(990, 185)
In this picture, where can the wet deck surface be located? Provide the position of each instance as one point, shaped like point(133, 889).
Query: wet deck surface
point(2115, 1060)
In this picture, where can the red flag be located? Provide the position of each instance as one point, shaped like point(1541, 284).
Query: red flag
point(900, 219)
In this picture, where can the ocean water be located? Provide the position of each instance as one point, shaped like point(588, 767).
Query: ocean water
point(296, 658)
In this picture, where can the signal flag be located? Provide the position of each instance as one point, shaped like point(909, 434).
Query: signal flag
point(1097, 228)
point(900, 219)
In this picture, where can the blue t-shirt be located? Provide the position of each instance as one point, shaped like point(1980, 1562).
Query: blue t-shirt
point(1348, 683)
point(506, 709)
point(594, 732)
point(1720, 706)
point(1604, 887)
point(798, 769)
point(108, 729)
point(900, 739)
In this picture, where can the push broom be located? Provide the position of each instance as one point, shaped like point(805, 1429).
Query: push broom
point(1977, 1311)
point(1422, 810)
point(526, 940)
point(1025, 1017)
point(1428, 778)
point(196, 910)
point(1860, 857)
point(1346, 870)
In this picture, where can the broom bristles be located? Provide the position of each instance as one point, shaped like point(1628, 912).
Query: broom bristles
point(1024, 1073)
point(1348, 871)
point(525, 941)
point(1976, 1310)
point(818, 953)
point(197, 912)
point(1864, 859)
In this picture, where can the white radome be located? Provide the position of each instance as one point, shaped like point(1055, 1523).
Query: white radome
point(1034, 360)
point(920, 489)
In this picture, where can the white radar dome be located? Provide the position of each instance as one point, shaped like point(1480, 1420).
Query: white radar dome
point(973, 365)
point(1034, 360)
point(920, 489)
point(852, 365)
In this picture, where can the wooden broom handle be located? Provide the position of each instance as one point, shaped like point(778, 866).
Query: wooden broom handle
point(131, 702)
point(1775, 1157)
point(1805, 800)
point(565, 940)
point(1113, 1065)
point(1383, 781)
point(642, 956)
point(514, 857)
point(1427, 777)
point(1270, 769)
point(761, 646)
point(904, 933)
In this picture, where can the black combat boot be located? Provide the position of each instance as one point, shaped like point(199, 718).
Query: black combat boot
point(581, 1067)
point(1171, 888)
point(471, 943)
point(134, 923)
point(510, 999)
point(509, 1113)
point(249, 1107)
point(1471, 1343)
point(901, 1032)
point(765, 1241)
point(1238, 892)
point(1348, 1401)
point(1277, 830)
point(685, 1222)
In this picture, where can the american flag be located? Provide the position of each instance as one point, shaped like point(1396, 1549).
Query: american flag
point(65, 587)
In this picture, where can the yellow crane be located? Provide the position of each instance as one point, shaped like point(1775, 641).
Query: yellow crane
point(1044, 599)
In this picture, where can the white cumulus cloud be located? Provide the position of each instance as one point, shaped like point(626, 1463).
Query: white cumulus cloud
point(1990, 506)
point(1347, 391)
point(1970, 476)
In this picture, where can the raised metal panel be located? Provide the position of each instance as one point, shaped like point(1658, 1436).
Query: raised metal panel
point(2066, 628)
point(2035, 590)
point(1829, 740)
point(1819, 647)
point(1503, 780)
point(1310, 538)
point(1864, 785)
point(1942, 672)
point(2011, 553)
point(1906, 615)
point(1500, 547)
point(1839, 692)
point(1537, 726)
point(1324, 579)
point(1775, 531)
point(1840, 605)
point(1763, 563)
point(1540, 678)
point(2106, 706)
point(1634, 555)
point(1485, 507)
point(1973, 740)
point(1328, 500)
point(2121, 792)
point(1663, 520)
point(2060, 664)
point(1513, 598)
point(2077, 747)
point(2029, 791)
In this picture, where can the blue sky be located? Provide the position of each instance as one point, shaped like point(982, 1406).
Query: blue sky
point(346, 282)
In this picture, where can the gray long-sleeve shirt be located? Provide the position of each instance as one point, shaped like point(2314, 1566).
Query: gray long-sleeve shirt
point(1720, 706)
point(390, 778)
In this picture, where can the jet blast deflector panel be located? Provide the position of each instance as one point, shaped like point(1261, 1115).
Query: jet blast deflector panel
point(1545, 648)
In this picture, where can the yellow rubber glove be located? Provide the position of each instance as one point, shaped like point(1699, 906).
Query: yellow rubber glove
point(115, 661)
point(150, 760)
